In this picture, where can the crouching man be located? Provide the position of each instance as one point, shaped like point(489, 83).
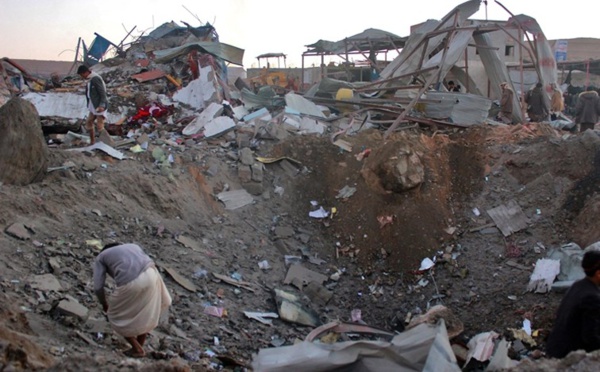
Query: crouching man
point(577, 325)
point(135, 307)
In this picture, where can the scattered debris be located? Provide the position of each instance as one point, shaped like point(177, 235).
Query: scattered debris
point(19, 231)
point(261, 317)
point(185, 283)
point(235, 199)
point(219, 312)
point(102, 147)
point(45, 283)
point(400, 354)
point(509, 218)
point(238, 283)
point(290, 309)
point(300, 276)
point(543, 275)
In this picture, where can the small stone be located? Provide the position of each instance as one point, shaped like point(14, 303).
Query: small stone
point(254, 188)
point(231, 155)
point(46, 283)
point(257, 172)
point(283, 232)
point(19, 231)
point(489, 231)
point(71, 307)
point(246, 156)
point(54, 264)
point(244, 173)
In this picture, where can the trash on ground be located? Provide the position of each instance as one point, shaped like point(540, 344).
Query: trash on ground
point(219, 312)
point(261, 317)
point(543, 275)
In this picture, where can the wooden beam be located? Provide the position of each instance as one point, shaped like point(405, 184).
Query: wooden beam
point(409, 107)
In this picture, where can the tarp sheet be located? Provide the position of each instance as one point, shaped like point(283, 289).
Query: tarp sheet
point(223, 51)
point(543, 50)
point(369, 39)
point(99, 47)
point(423, 348)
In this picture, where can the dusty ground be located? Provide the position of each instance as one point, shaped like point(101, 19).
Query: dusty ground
point(553, 178)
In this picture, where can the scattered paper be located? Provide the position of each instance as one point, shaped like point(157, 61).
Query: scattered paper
point(319, 213)
point(261, 317)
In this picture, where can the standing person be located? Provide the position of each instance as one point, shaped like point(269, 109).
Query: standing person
point(577, 324)
point(136, 305)
point(587, 110)
point(97, 100)
point(557, 104)
point(537, 107)
point(506, 104)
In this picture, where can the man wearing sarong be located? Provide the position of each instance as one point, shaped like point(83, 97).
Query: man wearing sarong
point(136, 305)
point(97, 102)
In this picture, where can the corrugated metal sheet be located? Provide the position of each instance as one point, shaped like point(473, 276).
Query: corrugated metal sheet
point(460, 108)
point(44, 69)
point(64, 105)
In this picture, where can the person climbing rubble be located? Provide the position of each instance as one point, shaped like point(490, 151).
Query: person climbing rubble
point(577, 324)
point(141, 297)
point(97, 101)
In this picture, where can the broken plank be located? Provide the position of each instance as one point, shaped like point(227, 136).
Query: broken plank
point(482, 227)
point(344, 145)
point(179, 279)
point(102, 147)
point(85, 338)
point(189, 243)
point(517, 265)
point(237, 283)
point(509, 218)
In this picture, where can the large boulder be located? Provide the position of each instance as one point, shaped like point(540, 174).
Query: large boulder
point(394, 168)
point(23, 150)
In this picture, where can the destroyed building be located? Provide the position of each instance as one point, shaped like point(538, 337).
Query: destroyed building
point(361, 225)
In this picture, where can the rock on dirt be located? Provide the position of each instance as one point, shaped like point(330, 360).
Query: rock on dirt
point(18, 349)
point(23, 150)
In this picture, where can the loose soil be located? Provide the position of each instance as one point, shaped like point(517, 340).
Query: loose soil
point(480, 274)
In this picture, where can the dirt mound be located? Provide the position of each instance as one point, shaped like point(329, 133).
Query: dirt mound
point(372, 245)
point(381, 224)
point(575, 361)
point(18, 349)
point(23, 151)
point(90, 364)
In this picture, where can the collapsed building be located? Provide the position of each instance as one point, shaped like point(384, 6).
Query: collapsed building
point(411, 87)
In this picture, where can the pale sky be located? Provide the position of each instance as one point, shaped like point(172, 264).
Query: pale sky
point(49, 29)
